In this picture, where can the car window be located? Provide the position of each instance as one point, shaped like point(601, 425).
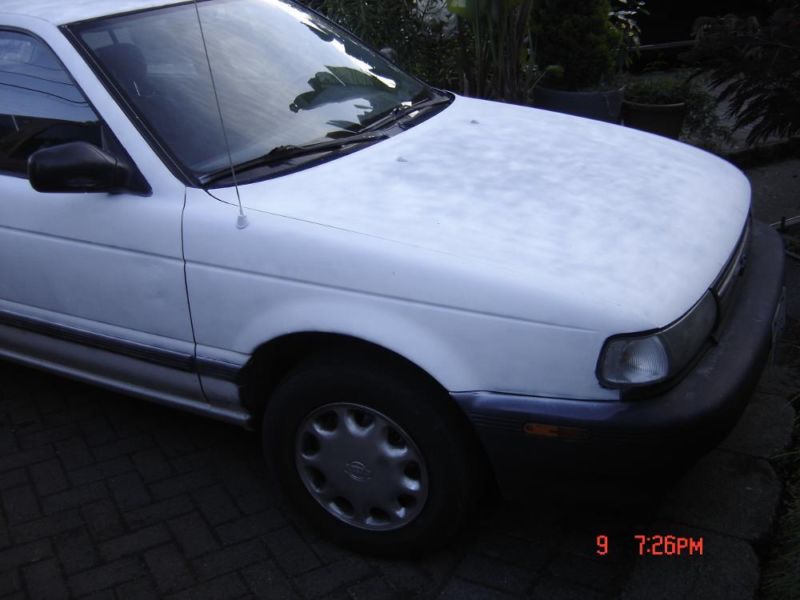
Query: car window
point(284, 76)
point(40, 105)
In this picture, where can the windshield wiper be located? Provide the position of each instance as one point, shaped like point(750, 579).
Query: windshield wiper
point(403, 110)
point(283, 153)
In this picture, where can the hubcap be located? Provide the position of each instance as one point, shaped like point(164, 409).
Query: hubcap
point(361, 466)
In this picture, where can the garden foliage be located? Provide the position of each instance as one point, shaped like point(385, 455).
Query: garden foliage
point(757, 69)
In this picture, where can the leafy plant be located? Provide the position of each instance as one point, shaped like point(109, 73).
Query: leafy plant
point(500, 62)
point(756, 69)
point(703, 125)
point(657, 90)
point(578, 36)
point(624, 17)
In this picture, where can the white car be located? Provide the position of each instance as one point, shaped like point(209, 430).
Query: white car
point(237, 209)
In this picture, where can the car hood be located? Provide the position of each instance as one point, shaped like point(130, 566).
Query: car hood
point(609, 216)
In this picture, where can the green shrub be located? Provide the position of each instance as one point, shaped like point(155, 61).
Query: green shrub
point(499, 62)
point(577, 35)
point(656, 90)
point(756, 69)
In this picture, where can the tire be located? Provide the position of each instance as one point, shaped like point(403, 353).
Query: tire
point(412, 428)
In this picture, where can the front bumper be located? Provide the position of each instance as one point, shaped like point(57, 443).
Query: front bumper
point(585, 438)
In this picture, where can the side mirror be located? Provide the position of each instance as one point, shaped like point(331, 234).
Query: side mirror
point(76, 167)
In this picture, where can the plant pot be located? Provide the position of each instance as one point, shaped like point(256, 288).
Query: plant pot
point(600, 105)
point(662, 119)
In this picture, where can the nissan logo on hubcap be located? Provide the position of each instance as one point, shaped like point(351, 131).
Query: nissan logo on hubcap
point(357, 470)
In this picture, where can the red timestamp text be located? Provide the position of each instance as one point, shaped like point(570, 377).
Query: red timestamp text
point(658, 545)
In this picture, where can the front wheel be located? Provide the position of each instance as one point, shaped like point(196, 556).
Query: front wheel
point(372, 453)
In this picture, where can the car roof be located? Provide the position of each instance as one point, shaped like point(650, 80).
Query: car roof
point(59, 12)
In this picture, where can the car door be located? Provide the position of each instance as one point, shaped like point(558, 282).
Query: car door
point(91, 284)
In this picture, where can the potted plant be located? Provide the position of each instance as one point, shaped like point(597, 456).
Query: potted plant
point(657, 105)
point(578, 36)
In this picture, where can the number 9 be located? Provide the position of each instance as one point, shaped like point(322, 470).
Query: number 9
point(602, 545)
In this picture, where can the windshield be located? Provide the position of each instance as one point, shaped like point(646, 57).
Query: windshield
point(284, 77)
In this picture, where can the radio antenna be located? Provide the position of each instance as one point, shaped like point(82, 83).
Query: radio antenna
point(241, 221)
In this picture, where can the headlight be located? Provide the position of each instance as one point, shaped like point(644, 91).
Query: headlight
point(644, 359)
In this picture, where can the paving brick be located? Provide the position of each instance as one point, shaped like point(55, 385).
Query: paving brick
point(215, 504)
point(494, 573)
point(74, 498)
point(16, 460)
point(8, 441)
point(107, 594)
point(74, 453)
point(151, 465)
point(119, 448)
point(326, 579)
point(327, 551)
point(102, 519)
point(407, 576)
point(133, 419)
point(550, 588)
point(47, 526)
point(596, 572)
point(106, 576)
point(173, 443)
point(14, 478)
point(97, 431)
point(129, 491)
point(249, 527)
point(20, 504)
point(23, 414)
point(291, 552)
point(48, 477)
point(196, 461)
point(11, 558)
point(229, 559)
point(539, 523)
point(46, 437)
point(193, 535)
point(374, 589)
point(9, 583)
point(254, 501)
point(180, 484)
point(266, 581)
point(169, 569)
point(100, 470)
point(43, 580)
point(522, 553)
point(76, 550)
point(138, 589)
point(158, 511)
point(135, 542)
point(49, 404)
point(5, 534)
point(222, 588)
point(458, 589)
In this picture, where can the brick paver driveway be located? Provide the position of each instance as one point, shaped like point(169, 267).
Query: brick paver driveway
point(106, 496)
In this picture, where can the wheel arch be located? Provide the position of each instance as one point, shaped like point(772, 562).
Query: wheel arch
point(272, 360)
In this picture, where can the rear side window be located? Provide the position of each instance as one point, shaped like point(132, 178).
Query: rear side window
point(40, 105)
